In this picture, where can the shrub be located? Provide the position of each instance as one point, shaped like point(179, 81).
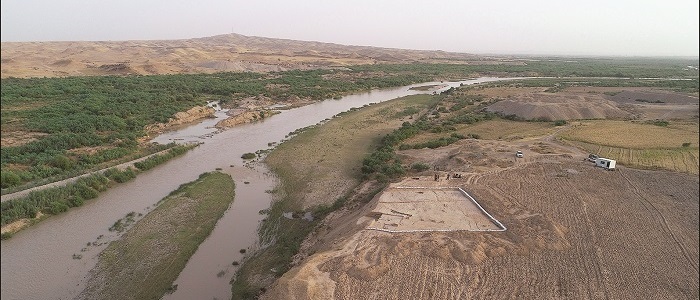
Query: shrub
point(685, 145)
point(6, 235)
point(404, 147)
point(248, 155)
point(662, 123)
point(85, 191)
point(62, 162)
point(57, 207)
point(9, 179)
point(76, 201)
point(120, 176)
point(158, 159)
point(560, 122)
point(474, 136)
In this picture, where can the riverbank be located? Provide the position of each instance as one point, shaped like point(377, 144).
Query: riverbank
point(318, 169)
point(146, 260)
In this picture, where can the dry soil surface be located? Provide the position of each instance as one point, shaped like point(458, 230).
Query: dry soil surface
point(558, 106)
point(656, 104)
point(574, 231)
point(221, 53)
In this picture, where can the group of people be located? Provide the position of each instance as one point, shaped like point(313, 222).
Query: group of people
point(455, 175)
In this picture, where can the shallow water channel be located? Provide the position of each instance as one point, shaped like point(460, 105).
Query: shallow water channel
point(52, 260)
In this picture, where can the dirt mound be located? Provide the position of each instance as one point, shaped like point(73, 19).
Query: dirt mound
point(479, 156)
point(398, 266)
point(559, 106)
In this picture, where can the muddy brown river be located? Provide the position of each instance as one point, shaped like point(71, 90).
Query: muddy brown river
point(52, 260)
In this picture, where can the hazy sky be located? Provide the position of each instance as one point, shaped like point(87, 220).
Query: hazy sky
point(609, 27)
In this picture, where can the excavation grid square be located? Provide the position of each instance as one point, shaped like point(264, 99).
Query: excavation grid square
point(401, 209)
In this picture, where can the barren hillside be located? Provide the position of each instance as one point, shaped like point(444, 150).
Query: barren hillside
point(558, 106)
point(228, 52)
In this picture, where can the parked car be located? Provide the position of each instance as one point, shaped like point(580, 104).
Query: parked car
point(519, 154)
point(592, 157)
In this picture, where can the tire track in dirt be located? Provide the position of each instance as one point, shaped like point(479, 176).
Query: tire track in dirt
point(622, 153)
point(674, 164)
point(629, 155)
point(588, 252)
point(599, 274)
point(688, 167)
point(664, 221)
point(694, 161)
point(682, 157)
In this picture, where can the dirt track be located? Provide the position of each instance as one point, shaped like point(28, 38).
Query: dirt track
point(574, 231)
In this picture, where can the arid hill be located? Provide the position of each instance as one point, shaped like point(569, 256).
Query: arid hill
point(558, 106)
point(228, 52)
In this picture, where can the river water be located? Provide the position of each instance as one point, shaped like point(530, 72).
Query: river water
point(52, 260)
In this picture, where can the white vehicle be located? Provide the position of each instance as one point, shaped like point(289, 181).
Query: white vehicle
point(519, 154)
point(608, 164)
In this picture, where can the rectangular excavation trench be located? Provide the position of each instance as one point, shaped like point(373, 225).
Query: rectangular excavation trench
point(426, 209)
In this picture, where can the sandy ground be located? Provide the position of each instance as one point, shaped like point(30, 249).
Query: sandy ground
point(573, 231)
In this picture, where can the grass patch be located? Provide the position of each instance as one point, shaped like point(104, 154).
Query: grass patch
point(159, 245)
point(625, 134)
